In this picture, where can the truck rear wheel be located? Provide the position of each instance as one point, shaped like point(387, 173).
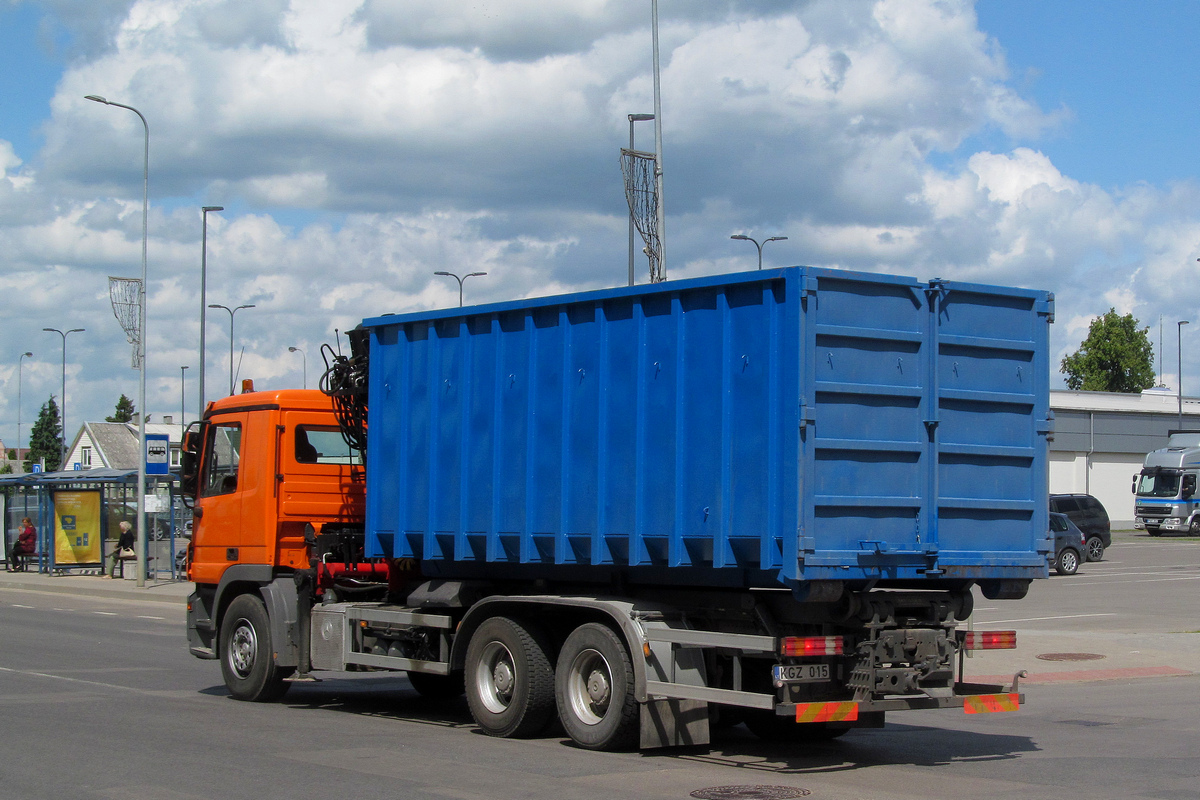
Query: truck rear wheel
point(594, 687)
point(509, 680)
point(246, 652)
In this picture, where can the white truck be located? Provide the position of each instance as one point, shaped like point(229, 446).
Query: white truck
point(1165, 489)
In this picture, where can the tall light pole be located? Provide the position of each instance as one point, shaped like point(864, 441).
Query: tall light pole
point(182, 402)
point(1179, 351)
point(20, 363)
point(303, 362)
point(141, 488)
point(62, 411)
point(461, 281)
point(756, 244)
point(204, 291)
point(231, 311)
point(658, 159)
point(632, 119)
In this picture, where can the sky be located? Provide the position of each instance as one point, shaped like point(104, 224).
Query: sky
point(359, 146)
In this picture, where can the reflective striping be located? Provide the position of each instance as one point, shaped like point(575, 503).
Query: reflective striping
point(991, 703)
point(826, 712)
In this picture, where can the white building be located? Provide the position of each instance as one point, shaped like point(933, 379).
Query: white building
point(114, 445)
point(1100, 440)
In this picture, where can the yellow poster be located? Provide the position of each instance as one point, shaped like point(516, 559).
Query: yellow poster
point(77, 527)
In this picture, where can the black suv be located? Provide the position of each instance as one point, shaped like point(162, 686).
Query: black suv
point(1089, 515)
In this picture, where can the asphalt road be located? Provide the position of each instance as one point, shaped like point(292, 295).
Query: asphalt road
point(99, 699)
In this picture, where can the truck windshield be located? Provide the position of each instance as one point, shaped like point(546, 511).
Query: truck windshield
point(1160, 484)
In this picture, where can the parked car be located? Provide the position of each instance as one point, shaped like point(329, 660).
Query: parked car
point(1089, 516)
point(1070, 544)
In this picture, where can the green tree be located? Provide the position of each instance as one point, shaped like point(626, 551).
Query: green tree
point(124, 411)
point(1116, 356)
point(45, 440)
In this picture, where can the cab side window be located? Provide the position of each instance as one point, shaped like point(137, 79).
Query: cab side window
point(323, 445)
point(224, 455)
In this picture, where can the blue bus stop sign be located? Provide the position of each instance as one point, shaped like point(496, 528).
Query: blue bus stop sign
point(158, 454)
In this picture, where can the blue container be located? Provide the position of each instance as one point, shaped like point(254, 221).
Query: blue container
point(759, 429)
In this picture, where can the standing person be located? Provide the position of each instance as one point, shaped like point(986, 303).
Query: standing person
point(25, 545)
point(124, 548)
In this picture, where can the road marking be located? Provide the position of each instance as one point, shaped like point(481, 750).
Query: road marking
point(1143, 580)
point(18, 605)
point(1038, 619)
point(160, 619)
point(106, 613)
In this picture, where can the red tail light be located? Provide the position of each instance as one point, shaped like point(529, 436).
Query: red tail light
point(989, 640)
point(811, 646)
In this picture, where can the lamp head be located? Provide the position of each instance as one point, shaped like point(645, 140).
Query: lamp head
point(212, 208)
point(95, 98)
point(640, 117)
point(444, 273)
point(777, 239)
point(475, 274)
point(740, 236)
point(293, 349)
point(27, 355)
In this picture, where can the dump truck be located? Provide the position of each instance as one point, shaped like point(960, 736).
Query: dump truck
point(1165, 490)
point(763, 498)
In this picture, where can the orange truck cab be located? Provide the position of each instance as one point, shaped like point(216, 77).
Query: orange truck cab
point(279, 500)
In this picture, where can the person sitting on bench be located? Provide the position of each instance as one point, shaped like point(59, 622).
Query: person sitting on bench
point(124, 549)
point(25, 545)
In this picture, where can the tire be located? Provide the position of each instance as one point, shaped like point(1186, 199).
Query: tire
point(509, 680)
point(594, 688)
point(1095, 549)
point(1194, 527)
point(771, 727)
point(247, 654)
point(1067, 561)
point(437, 687)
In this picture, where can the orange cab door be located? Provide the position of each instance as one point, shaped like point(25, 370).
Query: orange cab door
point(219, 538)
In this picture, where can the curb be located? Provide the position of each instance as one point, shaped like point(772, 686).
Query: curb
point(1085, 675)
point(149, 594)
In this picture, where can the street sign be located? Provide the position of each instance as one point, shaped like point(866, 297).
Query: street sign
point(158, 454)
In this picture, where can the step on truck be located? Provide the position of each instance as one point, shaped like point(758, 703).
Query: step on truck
point(1165, 490)
point(762, 498)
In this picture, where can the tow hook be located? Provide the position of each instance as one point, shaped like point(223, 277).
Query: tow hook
point(1016, 684)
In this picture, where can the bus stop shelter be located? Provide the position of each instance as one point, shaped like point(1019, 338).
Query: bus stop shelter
point(77, 514)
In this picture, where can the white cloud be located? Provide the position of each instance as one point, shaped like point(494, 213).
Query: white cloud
point(360, 145)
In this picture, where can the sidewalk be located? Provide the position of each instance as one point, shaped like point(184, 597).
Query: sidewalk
point(95, 585)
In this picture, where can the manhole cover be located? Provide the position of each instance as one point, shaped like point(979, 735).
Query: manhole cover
point(750, 793)
point(1069, 656)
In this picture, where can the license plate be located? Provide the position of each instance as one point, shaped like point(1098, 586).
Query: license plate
point(800, 673)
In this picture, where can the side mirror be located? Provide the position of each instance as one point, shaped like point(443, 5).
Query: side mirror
point(1189, 485)
point(189, 462)
point(1133, 487)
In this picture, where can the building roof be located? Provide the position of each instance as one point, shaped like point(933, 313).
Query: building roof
point(1159, 400)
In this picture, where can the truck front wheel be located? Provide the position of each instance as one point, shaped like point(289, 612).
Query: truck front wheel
point(246, 652)
point(594, 687)
point(509, 680)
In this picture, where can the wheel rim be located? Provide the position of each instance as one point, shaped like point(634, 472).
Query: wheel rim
point(1069, 562)
point(1095, 550)
point(495, 677)
point(243, 648)
point(589, 687)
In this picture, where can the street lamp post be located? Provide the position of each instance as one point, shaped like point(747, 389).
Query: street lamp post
point(231, 311)
point(20, 363)
point(1179, 351)
point(62, 412)
point(303, 362)
point(204, 291)
point(461, 281)
point(632, 119)
point(141, 488)
point(756, 244)
point(182, 402)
